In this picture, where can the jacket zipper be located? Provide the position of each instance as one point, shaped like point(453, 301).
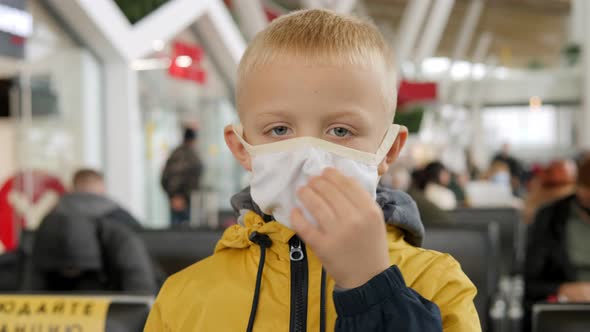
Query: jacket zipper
point(298, 322)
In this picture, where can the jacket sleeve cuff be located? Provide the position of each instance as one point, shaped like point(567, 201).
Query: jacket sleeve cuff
point(358, 300)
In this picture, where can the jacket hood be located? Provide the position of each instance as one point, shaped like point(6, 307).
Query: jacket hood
point(86, 204)
point(399, 210)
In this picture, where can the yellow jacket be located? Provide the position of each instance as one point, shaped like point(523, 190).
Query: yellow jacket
point(215, 294)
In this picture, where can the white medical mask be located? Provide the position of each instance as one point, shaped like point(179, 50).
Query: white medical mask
point(279, 169)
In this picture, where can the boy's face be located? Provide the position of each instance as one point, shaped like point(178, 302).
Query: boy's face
point(343, 105)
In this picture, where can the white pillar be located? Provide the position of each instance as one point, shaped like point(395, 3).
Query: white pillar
point(576, 21)
point(410, 26)
point(124, 150)
point(251, 16)
point(435, 26)
point(91, 107)
point(583, 120)
point(478, 147)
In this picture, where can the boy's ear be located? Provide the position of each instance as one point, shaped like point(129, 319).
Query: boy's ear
point(237, 148)
point(394, 151)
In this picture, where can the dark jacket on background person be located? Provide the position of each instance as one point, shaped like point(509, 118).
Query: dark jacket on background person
point(182, 172)
point(422, 291)
point(547, 263)
point(547, 260)
point(88, 243)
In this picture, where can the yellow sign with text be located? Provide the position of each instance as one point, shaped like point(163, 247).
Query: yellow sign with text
point(32, 313)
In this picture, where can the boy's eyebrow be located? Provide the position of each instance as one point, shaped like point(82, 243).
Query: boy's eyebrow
point(276, 114)
point(353, 114)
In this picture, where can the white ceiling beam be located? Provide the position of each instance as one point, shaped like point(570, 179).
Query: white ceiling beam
point(462, 43)
point(164, 24)
point(468, 27)
point(410, 26)
point(111, 33)
point(435, 26)
point(251, 16)
point(223, 38)
point(339, 6)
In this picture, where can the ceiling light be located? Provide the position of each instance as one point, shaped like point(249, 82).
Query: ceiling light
point(183, 61)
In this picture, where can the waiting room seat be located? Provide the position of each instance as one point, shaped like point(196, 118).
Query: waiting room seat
point(11, 269)
point(512, 232)
point(176, 249)
point(475, 247)
point(561, 317)
point(128, 313)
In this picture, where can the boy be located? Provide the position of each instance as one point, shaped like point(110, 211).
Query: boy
point(316, 98)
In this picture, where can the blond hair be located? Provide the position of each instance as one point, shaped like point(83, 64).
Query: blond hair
point(321, 37)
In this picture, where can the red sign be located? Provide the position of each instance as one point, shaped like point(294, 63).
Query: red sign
point(411, 92)
point(185, 63)
point(39, 183)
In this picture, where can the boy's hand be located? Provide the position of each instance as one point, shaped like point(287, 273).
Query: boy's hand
point(350, 235)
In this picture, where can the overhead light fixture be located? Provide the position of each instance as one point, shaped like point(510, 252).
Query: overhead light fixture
point(183, 61)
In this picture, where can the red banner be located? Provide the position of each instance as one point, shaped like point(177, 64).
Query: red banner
point(185, 62)
point(412, 92)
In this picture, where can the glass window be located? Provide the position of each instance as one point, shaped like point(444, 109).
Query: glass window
point(528, 128)
point(55, 125)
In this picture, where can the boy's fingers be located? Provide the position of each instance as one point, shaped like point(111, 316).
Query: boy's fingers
point(350, 188)
point(334, 197)
point(316, 205)
point(309, 233)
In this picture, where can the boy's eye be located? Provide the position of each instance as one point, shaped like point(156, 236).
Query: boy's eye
point(339, 132)
point(279, 131)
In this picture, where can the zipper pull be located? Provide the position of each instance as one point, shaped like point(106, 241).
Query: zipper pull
point(296, 253)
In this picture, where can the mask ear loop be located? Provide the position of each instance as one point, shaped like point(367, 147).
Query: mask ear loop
point(387, 142)
point(239, 131)
point(370, 158)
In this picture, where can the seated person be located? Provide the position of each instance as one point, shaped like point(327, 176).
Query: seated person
point(87, 243)
point(319, 247)
point(434, 182)
point(558, 250)
point(430, 213)
point(557, 181)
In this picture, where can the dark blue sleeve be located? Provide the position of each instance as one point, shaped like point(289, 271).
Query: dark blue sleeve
point(385, 304)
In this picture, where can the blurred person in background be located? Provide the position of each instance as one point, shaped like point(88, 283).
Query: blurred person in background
point(558, 180)
point(434, 181)
point(87, 243)
point(493, 190)
point(430, 213)
point(498, 173)
point(457, 185)
point(558, 249)
point(398, 178)
point(515, 168)
point(181, 177)
point(473, 171)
